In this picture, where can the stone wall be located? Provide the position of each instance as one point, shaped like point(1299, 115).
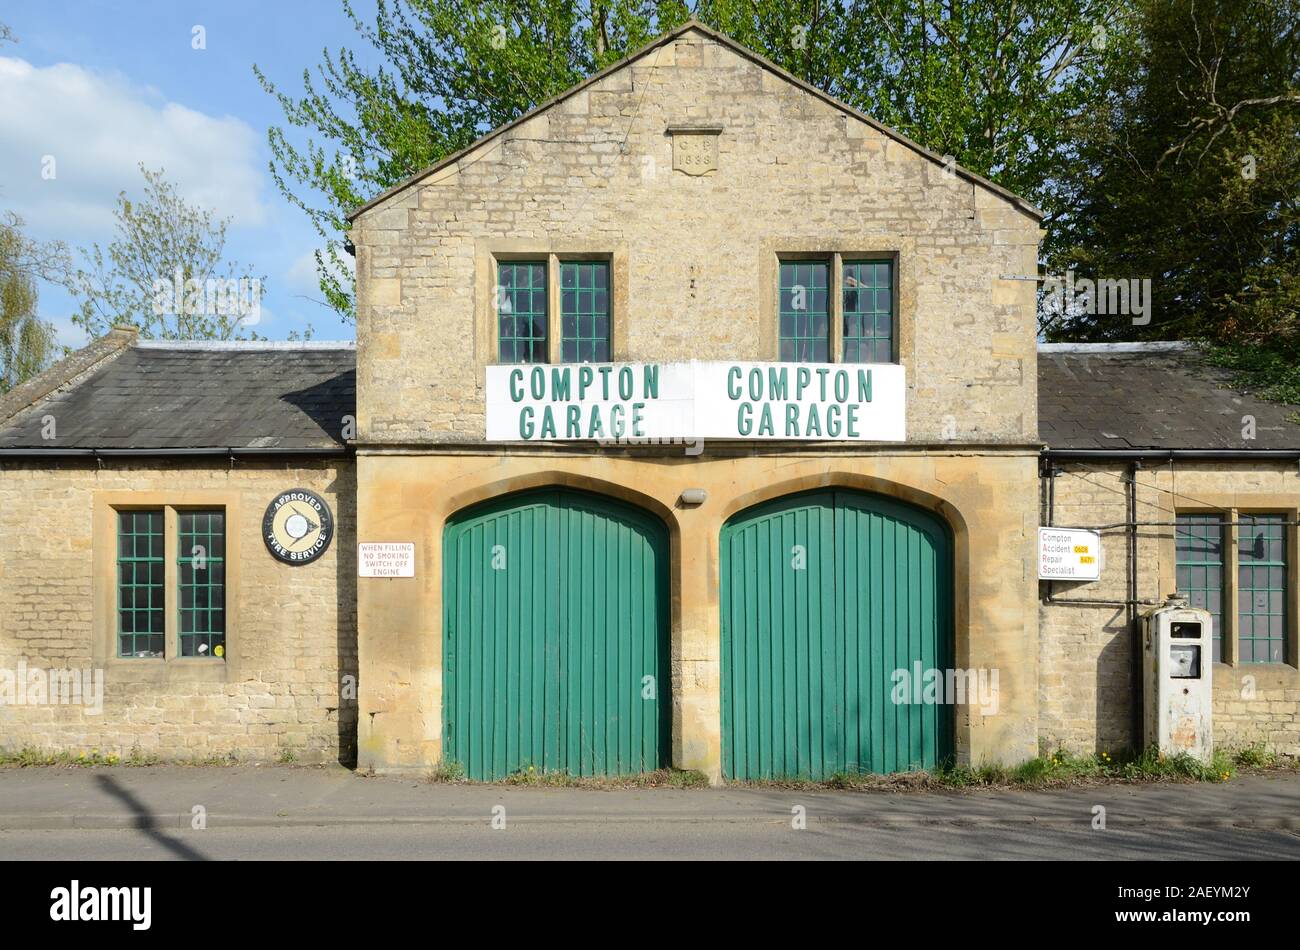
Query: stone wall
point(694, 256)
point(408, 497)
point(1086, 656)
point(292, 629)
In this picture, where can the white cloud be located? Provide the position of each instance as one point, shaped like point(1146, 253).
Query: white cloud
point(99, 127)
point(302, 277)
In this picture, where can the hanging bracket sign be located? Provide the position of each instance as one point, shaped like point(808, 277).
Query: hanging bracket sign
point(1068, 554)
point(629, 403)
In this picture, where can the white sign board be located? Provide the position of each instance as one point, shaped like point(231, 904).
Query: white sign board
point(386, 559)
point(1068, 554)
point(631, 403)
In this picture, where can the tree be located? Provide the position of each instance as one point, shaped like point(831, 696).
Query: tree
point(1188, 174)
point(165, 272)
point(26, 342)
point(989, 82)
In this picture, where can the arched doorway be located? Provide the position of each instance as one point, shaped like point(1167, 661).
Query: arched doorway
point(555, 636)
point(824, 596)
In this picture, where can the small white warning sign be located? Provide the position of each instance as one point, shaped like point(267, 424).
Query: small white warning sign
point(386, 559)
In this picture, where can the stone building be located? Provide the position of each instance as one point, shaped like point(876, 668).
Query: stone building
point(693, 418)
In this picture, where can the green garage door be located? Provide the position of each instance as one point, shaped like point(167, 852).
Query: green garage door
point(555, 640)
point(824, 595)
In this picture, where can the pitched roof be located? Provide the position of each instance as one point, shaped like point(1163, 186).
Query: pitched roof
point(743, 51)
point(171, 396)
point(1149, 396)
point(293, 397)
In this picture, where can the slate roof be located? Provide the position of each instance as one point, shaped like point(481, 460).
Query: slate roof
point(1149, 396)
point(195, 395)
point(293, 396)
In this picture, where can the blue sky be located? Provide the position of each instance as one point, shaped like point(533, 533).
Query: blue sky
point(103, 86)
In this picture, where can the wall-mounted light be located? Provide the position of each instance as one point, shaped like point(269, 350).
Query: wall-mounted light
point(694, 496)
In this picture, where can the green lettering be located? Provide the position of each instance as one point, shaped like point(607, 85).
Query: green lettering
point(744, 419)
point(814, 426)
point(833, 421)
point(778, 382)
point(650, 382)
point(516, 385)
point(733, 383)
point(526, 422)
point(864, 385)
point(560, 380)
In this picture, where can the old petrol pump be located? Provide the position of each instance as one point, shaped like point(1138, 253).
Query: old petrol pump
point(1178, 660)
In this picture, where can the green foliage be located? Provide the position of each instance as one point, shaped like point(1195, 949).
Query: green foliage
point(448, 771)
point(991, 84)
point(1257, 756)
point(164, 244)
point(32, 757)
point(1188, 173)
point(1271, 372)
point(26, 342)
point(1055, 769)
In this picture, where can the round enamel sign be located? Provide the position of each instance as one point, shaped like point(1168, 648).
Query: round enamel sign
point(298, 526)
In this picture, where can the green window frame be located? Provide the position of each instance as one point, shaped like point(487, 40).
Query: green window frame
point(868, 320)
point(1261, 588)
point(201, 576)
point(522, 315)
point(584, 312)
point(804, 332)
point(1199, 566)
point(141, 584)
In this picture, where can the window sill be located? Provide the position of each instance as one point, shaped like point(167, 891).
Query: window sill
point(1266, 675)
point(172, 670)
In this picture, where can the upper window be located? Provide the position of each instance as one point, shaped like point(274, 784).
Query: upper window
point(840, 309)
point(522, 312)
point(805, 315)
point(584, 312)
point(868, 312)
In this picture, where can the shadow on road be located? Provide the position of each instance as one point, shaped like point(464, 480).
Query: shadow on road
point(145, 822)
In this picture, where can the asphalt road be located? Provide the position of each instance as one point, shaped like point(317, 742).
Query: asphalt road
point(332, 814)
point(707, 840)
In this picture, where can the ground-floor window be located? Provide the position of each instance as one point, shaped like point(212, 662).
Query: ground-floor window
point(1261, 589)
point(1205, 575)
point(141, 569)
point(194, 541)
point(202, 578)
